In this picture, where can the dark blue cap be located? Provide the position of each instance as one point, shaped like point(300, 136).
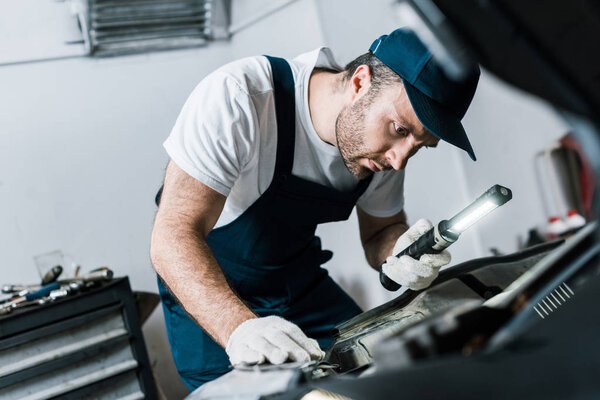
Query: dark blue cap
point(439, 102)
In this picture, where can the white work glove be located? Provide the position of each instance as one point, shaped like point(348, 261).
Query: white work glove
point(271, 339)
point(406, 271)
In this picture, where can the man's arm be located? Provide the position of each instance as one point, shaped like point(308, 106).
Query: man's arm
point(188, 211)
point(378, 235)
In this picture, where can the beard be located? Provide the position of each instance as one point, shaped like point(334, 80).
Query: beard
point(350, 136)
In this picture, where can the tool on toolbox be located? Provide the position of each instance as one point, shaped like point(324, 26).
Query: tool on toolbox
point(447, 232)
point(20, 288)
point(52, 275)
point(28, 295)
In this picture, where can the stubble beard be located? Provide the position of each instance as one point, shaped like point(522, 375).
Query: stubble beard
point(350, 136)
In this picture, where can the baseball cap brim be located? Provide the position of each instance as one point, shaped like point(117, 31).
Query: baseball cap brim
point(438, 120)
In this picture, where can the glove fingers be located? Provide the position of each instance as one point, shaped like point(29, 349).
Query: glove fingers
point(270, 352)
point(397, 271)
point(308, 344)
point(409, 272)
point(420, 227)
point(420, 284)
point(287, 345)
point(421, 269)
point(270, 339)
point(436, 260)
point(412, 234)
point(246, 355)
point(315, 350)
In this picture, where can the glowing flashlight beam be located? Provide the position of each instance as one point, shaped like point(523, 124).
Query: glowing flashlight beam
point(493, 198)
point(469, 219)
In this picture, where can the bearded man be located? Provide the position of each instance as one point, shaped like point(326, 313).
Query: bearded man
point(264, 150)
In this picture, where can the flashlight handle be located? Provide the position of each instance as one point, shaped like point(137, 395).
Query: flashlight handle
point(387, 283)
point(423, 245)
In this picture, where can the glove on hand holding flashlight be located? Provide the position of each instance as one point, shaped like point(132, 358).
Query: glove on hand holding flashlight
point(270, 339)
point(409, 272)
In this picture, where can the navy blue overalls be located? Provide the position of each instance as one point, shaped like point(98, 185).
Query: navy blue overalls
point(271, 256)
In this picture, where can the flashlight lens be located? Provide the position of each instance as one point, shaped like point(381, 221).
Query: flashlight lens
point(470, 218)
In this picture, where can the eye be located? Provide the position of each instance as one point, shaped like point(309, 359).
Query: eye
point(400, 130)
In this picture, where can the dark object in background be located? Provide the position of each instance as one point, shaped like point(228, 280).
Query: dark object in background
point(585, 179)
point(145, 303)
point(548, 50)
point(534, 238)
point(52, 275)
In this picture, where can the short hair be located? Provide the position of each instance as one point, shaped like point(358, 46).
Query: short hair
point(381, 74)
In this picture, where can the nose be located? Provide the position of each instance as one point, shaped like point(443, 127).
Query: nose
point(395, 159)
point(397, 156)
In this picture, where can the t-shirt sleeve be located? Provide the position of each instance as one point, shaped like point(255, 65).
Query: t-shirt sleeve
point(215, 133)
point(385, 195)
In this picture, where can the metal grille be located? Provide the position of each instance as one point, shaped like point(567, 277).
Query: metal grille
point(114, 27)
point(551, 302)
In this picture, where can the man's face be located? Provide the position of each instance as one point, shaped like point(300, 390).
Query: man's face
point(380, 132)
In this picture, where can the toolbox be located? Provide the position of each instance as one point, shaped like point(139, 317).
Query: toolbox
point(88, 345)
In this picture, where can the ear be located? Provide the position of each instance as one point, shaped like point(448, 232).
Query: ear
point(360, 81)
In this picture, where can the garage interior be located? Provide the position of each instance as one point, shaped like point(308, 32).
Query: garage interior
point(83, 120)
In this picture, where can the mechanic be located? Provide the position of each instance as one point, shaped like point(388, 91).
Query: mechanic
point(263, 151)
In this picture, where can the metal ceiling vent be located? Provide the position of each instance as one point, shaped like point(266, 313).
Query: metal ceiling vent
point(115, 27)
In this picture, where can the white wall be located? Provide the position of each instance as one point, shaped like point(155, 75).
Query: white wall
point(82, 157)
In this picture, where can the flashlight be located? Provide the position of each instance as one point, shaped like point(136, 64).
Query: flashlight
point(447, 232)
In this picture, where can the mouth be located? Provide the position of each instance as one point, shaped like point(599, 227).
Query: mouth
point(374, 167)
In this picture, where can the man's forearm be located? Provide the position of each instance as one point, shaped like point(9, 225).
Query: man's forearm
point(380, 245)
point(187, 265)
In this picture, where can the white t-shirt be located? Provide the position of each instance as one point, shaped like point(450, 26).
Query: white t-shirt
point(226, 137)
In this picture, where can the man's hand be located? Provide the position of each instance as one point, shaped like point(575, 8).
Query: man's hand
point(271, 339)
point(406, 271)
